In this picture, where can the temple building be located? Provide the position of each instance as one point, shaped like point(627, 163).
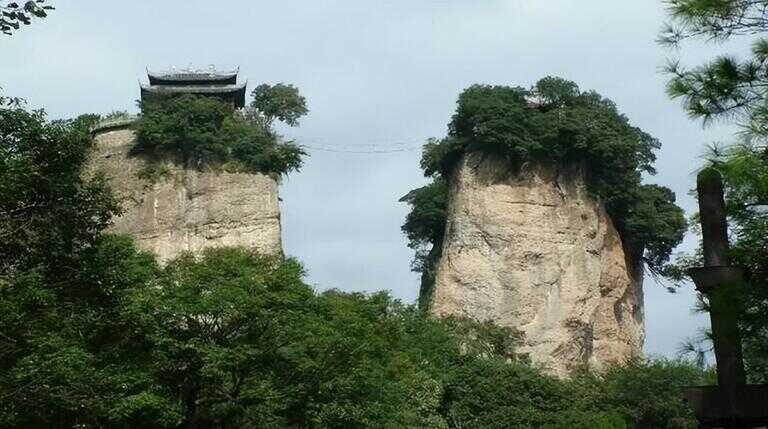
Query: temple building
point(210, 82)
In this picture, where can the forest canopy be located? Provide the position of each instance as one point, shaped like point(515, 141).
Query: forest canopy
point(557, 124)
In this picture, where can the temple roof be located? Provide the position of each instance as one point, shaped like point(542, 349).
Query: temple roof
point(209, 81)
point(192, 77)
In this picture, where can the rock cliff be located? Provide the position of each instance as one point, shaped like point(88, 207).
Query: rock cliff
point(536, 252)
point(186, 208)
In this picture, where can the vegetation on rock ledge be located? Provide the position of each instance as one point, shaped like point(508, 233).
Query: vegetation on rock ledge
point(206, 131)
point(556, 124)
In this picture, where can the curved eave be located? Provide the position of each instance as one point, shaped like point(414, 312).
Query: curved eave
point(227, 78)
point(235, 93)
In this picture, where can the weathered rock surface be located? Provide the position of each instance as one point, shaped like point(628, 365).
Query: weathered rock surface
point(535, 252)
point(187, 209)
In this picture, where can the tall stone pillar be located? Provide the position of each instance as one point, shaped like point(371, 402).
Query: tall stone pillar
point(185, 208)
point(535, 252)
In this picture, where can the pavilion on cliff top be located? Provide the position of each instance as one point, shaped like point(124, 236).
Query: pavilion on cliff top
point(209, 82)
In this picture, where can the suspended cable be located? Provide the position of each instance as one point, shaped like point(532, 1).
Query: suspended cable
point(337, 150)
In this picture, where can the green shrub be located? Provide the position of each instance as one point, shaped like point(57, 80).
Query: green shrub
point(204, 131)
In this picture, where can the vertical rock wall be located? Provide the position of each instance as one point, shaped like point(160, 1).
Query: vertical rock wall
point(185, 208)
point(535, 252)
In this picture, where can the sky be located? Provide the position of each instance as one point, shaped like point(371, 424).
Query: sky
point(379, 76)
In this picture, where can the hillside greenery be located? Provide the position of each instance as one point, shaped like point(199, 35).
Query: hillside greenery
point(556, 124)
point(94, 333)
point(204, 132)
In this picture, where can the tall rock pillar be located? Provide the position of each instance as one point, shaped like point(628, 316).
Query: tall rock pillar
point(184, 208)
point(535, 252)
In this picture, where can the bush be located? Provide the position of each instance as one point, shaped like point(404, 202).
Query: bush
point(206, 131)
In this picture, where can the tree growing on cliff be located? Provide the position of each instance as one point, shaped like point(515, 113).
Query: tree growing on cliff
point(557, 124)
point(280, 101)
point(205, 131)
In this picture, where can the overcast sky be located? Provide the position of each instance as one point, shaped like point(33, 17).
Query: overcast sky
point(378, 76)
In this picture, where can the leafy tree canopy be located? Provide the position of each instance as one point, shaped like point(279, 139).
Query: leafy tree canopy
point(60, 279)
point(14, 14)
point(204, 131)
point(279, 101)
point(236, 339)
point(47, 210)
point(726, 87)
point(557, 124)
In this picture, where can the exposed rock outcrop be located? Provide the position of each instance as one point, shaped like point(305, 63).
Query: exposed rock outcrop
point(536, 252)
point(186, 208)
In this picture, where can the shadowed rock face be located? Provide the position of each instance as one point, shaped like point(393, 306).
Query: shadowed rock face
point(186, 208)
point(535, 252)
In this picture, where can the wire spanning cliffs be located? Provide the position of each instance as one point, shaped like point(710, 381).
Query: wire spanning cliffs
point(537, 220)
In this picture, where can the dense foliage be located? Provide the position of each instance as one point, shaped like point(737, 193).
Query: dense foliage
point(732, 89)
point(425, 227)
point(204, 131)
point(556, 124)
point(47, 210)
point(726, 87)
point(236, 339)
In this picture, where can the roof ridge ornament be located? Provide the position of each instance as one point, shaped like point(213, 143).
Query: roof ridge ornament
point(201, 81)
point(210, 70)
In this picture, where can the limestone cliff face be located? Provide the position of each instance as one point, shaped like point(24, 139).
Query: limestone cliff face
point(187, 209)
point(535, 252)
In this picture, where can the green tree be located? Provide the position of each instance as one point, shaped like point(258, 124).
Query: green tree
point(279, 101)
point(732, 89)
point(48, 210)
point(62, 342)
point(648, 393)
point(726, 87)
point(219, 329)
point(70, 357)
point(425, 228)
point(14, 14)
